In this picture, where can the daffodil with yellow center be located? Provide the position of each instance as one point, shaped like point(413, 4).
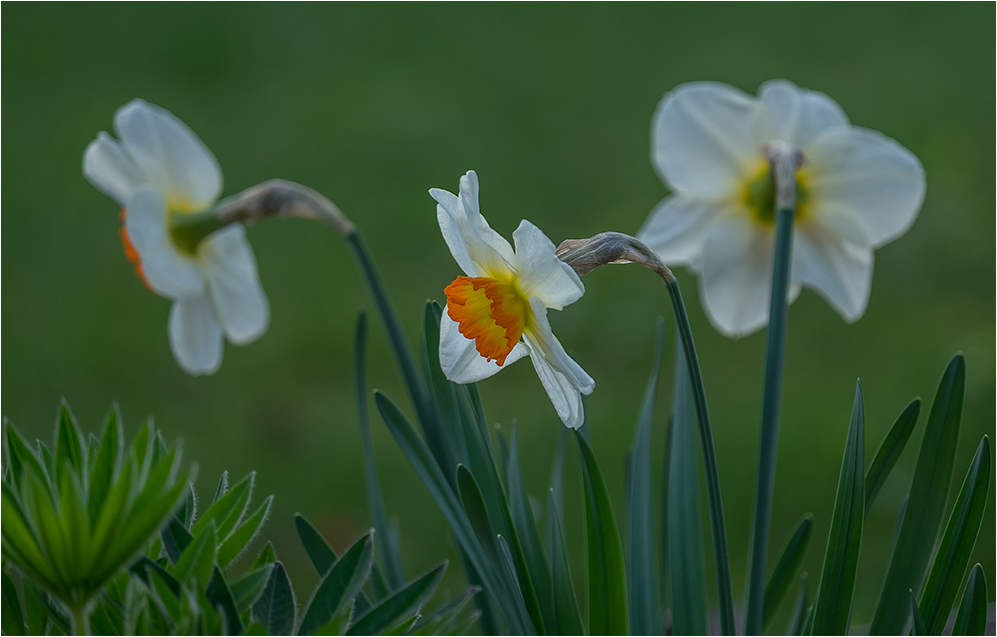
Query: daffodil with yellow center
point(855, 189)
point(497, 313)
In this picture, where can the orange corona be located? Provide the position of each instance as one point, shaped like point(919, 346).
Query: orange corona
point(490, 312)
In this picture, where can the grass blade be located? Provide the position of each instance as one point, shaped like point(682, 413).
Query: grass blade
point(607, 578)
point(401, 606)
point(917, 627)
point(686, 553)
point(833, 608)
point(568, 619)
point(645, 614)
point(925, 504)
point(953, 554)
point(792, 556)
point(889, 451)
point(972, 616)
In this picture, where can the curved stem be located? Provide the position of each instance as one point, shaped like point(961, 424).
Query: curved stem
point(772, 397)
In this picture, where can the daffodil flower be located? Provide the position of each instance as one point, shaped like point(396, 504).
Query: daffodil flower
point(856, 191)
point(497, 314)
point(158, 172)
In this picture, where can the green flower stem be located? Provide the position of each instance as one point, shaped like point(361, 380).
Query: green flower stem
point(771, 400)
point(80, 620)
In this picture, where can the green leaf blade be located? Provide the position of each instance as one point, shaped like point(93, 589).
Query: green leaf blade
point(400, 606)
point(275, 608)
point(793, 552)
point(338, 588)
point(972, 616)
point(889, 451)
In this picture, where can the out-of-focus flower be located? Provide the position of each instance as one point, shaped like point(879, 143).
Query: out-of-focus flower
point(498, 312)
point(856, 190)
point(158, 172)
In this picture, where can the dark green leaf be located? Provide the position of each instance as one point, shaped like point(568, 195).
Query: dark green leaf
point(340, 585)
point(35, 611)
point(188, 511)
point(445, 616)
point(68, 443)
point(275, 608)
point(11, 617)
point(198, 559)
point(833, 607)
point(319, 552)
point(176, 538)
point(793, 552)
point(220, 596)
point(228, 510)
point(607, 579)
point(972, 616)
point(266, 556)
point(237, 543)
point(917, 623)
point(569, 620)
point(474, 507)
point(890, 450)
point(952, 557)
point(686, 553)
point(925, 504)
point(375, 501)
point(799, 615)
point(247, 588)
point(222, 487)
point(106, 464)
point(645, 614)
point(400, 606)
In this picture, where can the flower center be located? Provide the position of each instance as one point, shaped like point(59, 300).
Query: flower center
point(759, 194)
point(490, 312)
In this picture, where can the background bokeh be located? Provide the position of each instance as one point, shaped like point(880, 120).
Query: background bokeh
point(373, 105)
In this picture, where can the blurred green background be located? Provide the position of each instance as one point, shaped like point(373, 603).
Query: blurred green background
point(373, 105)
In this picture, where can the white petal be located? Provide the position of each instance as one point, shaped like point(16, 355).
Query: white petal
point(563, 378)
point(110, 169)
point(479, 250)
point(234, 285)
point(840, 271)
point(167, 271)
point(868, 175)
point(707, 137)
point(195, 337)
point(798, 114)
point(461, 361)
point(735, 281)
point(169, 154)
point(676, 229)
point(541, 273)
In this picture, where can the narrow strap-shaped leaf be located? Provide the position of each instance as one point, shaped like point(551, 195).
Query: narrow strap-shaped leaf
point(686, 553)
point(889, 451)
point(799, 616)
point(556, 486)
point(322, 555)
point(917, 622)
point(338, 588)
point(833, 607)
point(925, 504)
point(607, 578)
point(645, 614)
point(793, 552)
point(12, 619)
point(443, 430)
point(401, 606)
point(952, 557)
point(220, 596)
point(375, 501)
point(569, 620)
point(276, 609)
point(474, 507)
point(972, 616)
point(106, 463)
point(238, 542)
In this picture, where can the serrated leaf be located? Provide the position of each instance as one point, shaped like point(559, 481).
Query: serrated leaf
point(972, 616)
point(228, 510)
point(338, 588)
point(222, 488)
point(925, 504)
point(607, 580)
point(275, 608)
point(889, 451)
point(645, 615)
point(399, 606)
point(952, 557)
point(791, 556)
point(833, 607)
point(239, 541)
point(686, 553)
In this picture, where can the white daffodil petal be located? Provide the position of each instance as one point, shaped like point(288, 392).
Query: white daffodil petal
point(563, 378)
point(677, 227)
point(460, 360)
point(707, 137)
point(110, 169)
point(169, 154)
point(798, 114)
point(541, 273)
point(240, 304)
point(167, 271)
point(839, 271)
point(736, 276)
point(879, 181)
point(447, 212)
point(195, 337)
point(479, 250)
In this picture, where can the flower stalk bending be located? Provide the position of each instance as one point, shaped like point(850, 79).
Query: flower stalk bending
point(584, 255)
point(785, 161)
